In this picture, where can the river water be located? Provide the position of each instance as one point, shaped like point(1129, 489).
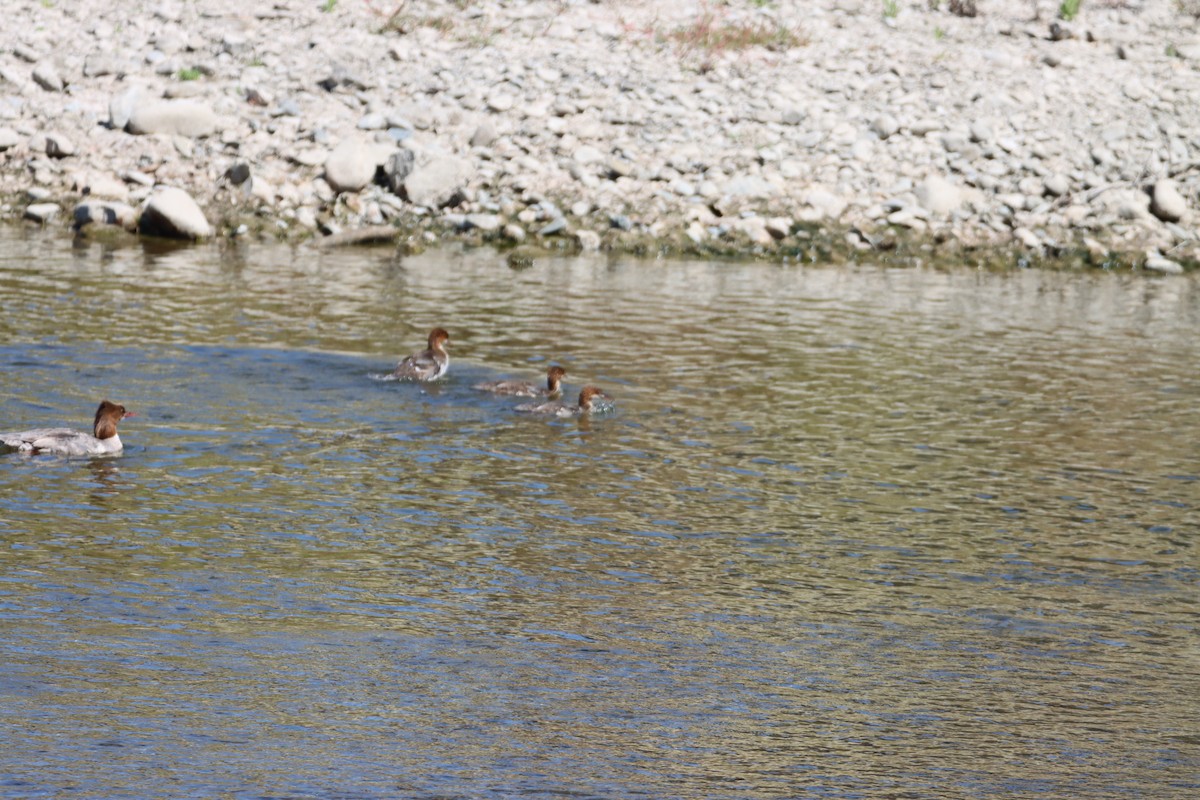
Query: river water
point(850, 532)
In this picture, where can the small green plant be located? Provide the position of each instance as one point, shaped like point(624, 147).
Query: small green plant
point(939, 33)
point(1069, 9)
point(890, 9)
point(328, 6)
point(189, 74)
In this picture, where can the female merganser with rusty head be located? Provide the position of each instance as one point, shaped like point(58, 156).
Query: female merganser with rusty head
point(560, 409)
point(102, 441)
point(427, 365)
point(553, 387)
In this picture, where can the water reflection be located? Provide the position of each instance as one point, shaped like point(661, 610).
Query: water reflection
point(849, 532)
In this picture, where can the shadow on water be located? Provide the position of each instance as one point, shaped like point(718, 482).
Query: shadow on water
point(848, 532)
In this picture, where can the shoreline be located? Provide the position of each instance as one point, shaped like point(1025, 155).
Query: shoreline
point(828, 130)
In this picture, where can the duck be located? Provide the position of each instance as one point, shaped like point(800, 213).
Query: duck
point(429, 364)
point(102, 441)
point(558, 408)
point(553, 387)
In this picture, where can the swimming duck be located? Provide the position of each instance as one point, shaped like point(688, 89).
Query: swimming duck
point(102, 441)
point(429, 364)
point(560, 409)
point(553, 387)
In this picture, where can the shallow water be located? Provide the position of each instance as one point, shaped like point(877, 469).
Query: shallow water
point(849, 532)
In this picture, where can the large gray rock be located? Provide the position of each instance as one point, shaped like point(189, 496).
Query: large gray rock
point(351, 165)
point(1166, 202)
point(174, 214)
point(436, 180)
point(174, 117)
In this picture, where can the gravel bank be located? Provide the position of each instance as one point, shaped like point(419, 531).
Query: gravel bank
point(794, 128)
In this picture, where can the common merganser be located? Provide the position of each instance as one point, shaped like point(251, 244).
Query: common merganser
point(553, 387)
point(427, 365)
point(102, 441)
point(560, 409)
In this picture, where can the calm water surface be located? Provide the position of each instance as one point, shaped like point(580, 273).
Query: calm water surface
point(850, 532)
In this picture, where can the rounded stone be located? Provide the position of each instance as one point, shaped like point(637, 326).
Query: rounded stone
point(938, 195)
point(172, 213)
point(173, 117)
point(1166, 202)
point(885, 125)
point(42, 212)
point(350, 166)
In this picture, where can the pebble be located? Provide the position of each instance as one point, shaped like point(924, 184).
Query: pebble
point(484, 222)
point(885, 125)
point(484, 135)
point(46, 76)
point(1057, 185)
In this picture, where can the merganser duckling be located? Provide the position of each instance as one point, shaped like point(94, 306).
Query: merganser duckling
point(560, 409)
point(427, 365)
point(102, 441)
point(553, 387)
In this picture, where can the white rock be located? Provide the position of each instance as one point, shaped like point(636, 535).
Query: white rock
point(484, 222)
point(779, 227)
point(8, 138)
point(350, 166)
point(588, 241)
point(500, 101)
point(46, 76)
point(42, 212)
point(1057, 185)
point(1164, 265)
point(938, 196)
point(174, 117)
point(59, 146)
point(1166, 202)
point(172, 213)
point(885, 125)
point(435, 181)
point(750, 186)
point(587, 154)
